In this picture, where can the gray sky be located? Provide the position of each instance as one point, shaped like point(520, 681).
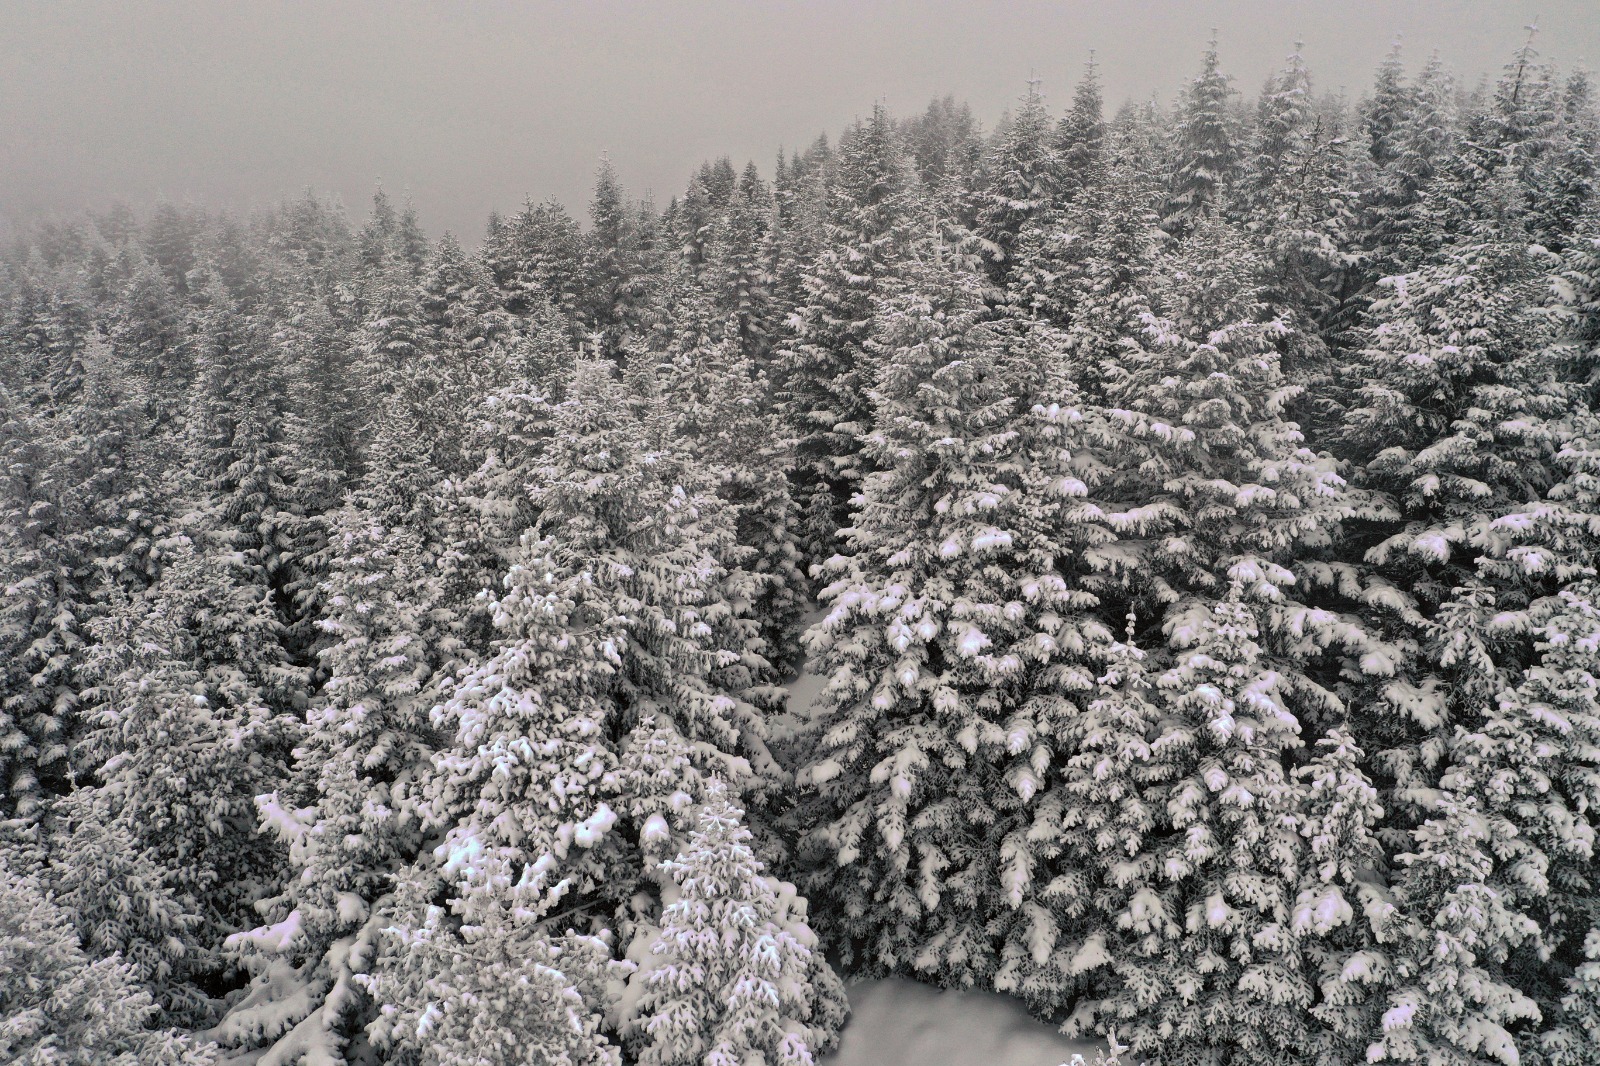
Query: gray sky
point(469, 106)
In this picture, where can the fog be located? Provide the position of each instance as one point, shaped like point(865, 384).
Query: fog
point(467, 107)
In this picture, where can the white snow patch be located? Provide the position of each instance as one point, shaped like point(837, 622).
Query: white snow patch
point(656, 830)
point(596, 826)
point(804, 690)
point(896, 1022)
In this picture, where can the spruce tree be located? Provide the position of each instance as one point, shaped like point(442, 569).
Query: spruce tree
point(613, 266)
point(1572, 168)
point(60, 1008)
point(539, 255)
point(953, 648)
point(1083, 269)
point(1344, 898)
point(1022, 181)
point(1214, 499)
point(743, 265)
point(1207, 150)
point(1422, 138)
point(497, 987)
point(349, 812)
point(147, 335)
point(1080, 135)
point(45, 609)
point(724, 421)
point(827, 369)
point(612, 626)
point(1527, 776)
point(1460, 422)
point(179, 738)
point(1207, 967)
point(734, 971)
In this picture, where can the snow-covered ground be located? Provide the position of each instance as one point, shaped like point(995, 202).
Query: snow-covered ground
point(901, 1023)
point(803, 691)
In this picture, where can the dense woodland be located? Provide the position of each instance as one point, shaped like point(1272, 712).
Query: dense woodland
point(1193, 510)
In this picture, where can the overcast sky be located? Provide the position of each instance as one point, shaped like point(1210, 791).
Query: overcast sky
point(469, 106)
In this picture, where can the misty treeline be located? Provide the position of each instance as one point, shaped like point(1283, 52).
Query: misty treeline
point(1202, 504)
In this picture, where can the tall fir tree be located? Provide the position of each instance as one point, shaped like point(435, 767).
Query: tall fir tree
point(734, 972)
point(827, 369)
point(1207, 149)
point(1022, 181)
point(953, 649)
point(1081, 133)
point(615, 282)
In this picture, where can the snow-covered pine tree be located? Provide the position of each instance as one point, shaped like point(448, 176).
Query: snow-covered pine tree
point(1412, 137)
point(724, 421)
point(954, 648)
point(169, 239)
point(310, 237)
point(459, 304)
point(79, 511)
point(238, 455)
point(394, 344)
point(322, 448)
point(391, 239)
point(1474, 439)
point(1082, 269)
point(827, 369)
point(147, 335)
point(58, 1007)
point(1345, 902)
point(1214, 497)
point(615, 282)
point(499, 986)
point(1298, 199)
point(377, 243)
point(23, 371)
point(800, 199)
point(1021, 181)
point(1203, 466)
point(1208, 969)
point(612, 626)
point(1576, 303)
point(1500, 884)
point(411, 244)
point(1207, 148)
point(123, 901)
point(1081, 133)
point(64, 330)
point(178, 739)
point(1103, 782)
point(946, 145)
point(1572, 171)
point(1283, 121)
point(742, 267)
point(539, 255)
point(1459, 422)
point(41, 621)
point(349, 813)
point(1520, 124)
point(1385, 111)
point(734, 975)
point(690, 221)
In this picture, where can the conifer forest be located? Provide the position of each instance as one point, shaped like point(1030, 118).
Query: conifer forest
point(1189, 512)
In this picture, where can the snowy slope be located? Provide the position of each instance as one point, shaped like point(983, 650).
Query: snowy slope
point(901, 1023)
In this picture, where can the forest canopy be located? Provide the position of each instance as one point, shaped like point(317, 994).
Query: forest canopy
point(1191, 511)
